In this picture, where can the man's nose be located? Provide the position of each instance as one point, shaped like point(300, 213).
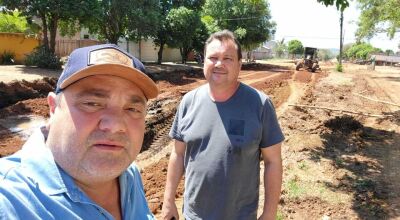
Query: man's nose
point(218, 63)
point(112, 121)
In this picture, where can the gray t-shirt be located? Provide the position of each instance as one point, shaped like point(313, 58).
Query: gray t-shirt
point(223, 141)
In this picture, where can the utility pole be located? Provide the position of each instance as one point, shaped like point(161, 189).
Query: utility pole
point(341, 38)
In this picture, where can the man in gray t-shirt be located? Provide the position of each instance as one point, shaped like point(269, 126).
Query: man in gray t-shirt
point(220, 131)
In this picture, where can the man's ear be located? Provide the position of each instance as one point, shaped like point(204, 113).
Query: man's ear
point(52, 102)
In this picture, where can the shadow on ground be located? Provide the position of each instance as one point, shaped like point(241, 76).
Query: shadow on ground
point(364, 152)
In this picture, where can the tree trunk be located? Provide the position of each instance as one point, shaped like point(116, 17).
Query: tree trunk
point(160, 51)
point(45, 40)
point(182, 54)
point(53, 32)
point(113, 39)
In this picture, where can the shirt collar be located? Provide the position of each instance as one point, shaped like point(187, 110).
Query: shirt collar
point(38, 162)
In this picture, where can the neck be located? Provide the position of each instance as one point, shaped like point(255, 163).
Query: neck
point(221, 94)
point(106, 195)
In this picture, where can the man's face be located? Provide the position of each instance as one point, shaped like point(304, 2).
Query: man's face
point(96, 129)
point(222, 65)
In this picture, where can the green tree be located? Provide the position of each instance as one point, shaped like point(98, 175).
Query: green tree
point(340, 4)
point(163, 35)
point(51, 13)
point(361, 51)
point(132, 19)
point(280, 48)
point(346, 47)
point(378, 17)
point(13, 22)
point(182, 25)
point(389, 52)
point(250, 20)
point(295, 47)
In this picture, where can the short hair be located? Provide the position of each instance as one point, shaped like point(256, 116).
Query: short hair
point(224, 35)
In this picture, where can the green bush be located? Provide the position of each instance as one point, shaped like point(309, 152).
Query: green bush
point(7, 58)
point(43, 58)
point(339, 68)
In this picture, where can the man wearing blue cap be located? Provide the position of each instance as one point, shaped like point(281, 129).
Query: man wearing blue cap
point(79, 166)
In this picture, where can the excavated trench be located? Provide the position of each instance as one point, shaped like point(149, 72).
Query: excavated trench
point(24, 99)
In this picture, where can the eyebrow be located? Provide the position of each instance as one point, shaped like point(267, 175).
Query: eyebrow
point(101, 93)
point(138, 99)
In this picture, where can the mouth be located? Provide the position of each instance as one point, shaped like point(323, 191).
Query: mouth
point(219, 73)
point(108, 145)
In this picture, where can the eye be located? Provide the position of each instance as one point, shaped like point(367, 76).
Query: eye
point(137, 111)
point(134, 109)
point(91, 104)
point(228, 59)
point(213, 58)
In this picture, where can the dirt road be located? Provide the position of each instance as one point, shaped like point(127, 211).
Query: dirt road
point(342, 148)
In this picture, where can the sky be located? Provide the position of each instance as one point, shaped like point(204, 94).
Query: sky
point(316, 25)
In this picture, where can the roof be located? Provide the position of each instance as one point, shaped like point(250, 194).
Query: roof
point(386, 58)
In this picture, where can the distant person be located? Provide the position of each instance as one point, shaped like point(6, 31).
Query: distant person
point(220, 131)
point(79, 166)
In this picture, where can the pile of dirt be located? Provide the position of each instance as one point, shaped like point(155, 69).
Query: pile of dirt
point(174, 76)
point(154, 178)
point(344, 124)
point(15, 91)
point(262, 67)
point(37, 106)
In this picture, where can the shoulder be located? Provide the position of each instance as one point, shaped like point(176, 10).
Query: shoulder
point(195, 93)
point(193, 97)
point(253, 93)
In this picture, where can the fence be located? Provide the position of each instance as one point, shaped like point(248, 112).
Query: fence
point(65, 47)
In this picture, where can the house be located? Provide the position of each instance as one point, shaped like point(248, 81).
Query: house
point(383, 60)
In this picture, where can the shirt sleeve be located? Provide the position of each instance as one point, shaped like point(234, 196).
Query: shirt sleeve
point(272, 133)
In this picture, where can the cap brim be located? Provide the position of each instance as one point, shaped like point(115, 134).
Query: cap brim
point(140, 79)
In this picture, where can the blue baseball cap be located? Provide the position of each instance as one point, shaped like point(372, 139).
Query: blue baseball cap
point(106, 59)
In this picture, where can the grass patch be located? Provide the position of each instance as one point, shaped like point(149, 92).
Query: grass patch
point(294, 189)
point(279, 215)
point(302, 165)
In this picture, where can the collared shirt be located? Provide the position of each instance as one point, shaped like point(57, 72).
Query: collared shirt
point(33, 186)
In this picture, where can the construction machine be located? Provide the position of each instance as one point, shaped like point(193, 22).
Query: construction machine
point(309, 61)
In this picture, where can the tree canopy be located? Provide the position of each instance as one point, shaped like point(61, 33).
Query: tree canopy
point(132, 19)
point(182, 25)
point(361, 51)
point(378, 17)
point(50, 13)
point(250, 20)
point(14, 22)
point(280, 48)
point(163, 35)
point(340, 4)
point(295, 47)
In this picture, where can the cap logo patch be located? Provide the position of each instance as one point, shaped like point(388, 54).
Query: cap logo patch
point(109, 55)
